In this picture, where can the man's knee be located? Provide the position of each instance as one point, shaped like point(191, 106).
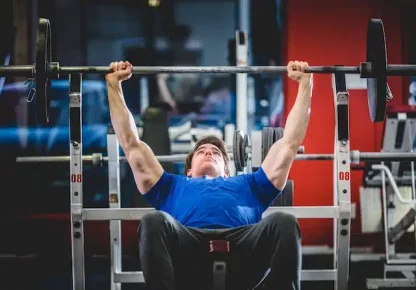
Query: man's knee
point(155, 221)
point(282, 222)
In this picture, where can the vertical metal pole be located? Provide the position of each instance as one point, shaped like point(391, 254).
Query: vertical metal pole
point(386, 215)
point(244, 22)
point(342, 195)
point(228, 139)
point(144, 94)
point(335, 187)
point(242, 98)
point(244, 19)
point(411, 139)
point(391, 248)
point(114, 201)
point(75, 147)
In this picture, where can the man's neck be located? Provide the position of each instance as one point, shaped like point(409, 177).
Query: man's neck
point(207, 176)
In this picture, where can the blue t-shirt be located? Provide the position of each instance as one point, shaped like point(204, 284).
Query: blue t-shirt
point(213, 203)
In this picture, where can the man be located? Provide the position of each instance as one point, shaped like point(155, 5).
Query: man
point(207, 204)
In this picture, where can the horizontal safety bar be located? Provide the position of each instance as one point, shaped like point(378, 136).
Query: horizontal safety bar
point(97, 214)
point(306, 275)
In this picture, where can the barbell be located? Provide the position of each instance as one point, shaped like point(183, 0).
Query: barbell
point(375, 70)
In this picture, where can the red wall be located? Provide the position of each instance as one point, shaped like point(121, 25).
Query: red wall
point(327, 32)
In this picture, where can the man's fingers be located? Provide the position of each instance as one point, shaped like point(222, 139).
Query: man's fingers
point(298, 65)
point(120, 65)
point(113, 66)
point(296, 70)
point(290, 66)
point(294, 65)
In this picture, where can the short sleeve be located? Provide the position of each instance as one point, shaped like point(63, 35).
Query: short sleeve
point(158, 194)
point(264, 190)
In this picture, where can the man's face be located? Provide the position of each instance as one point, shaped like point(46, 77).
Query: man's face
point(207, 160)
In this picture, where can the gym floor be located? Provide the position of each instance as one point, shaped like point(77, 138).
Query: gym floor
point(49, 273)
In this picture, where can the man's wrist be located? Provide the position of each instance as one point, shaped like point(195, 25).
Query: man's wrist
point(113, 82)
point(305, 84)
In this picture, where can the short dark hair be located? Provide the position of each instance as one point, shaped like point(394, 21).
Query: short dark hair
point(214, 140)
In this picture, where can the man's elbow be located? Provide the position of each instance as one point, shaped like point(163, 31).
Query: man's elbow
point(280, 184)
point(280, 175)
point(281, 168)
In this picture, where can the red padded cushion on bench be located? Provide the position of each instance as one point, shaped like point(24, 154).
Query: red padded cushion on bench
point(219, 246)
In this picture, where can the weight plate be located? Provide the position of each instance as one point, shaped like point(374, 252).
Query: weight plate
point(278, 134)
point(377, 83)
point(246, 144)
point(288, 194)
point(278, 201)
point(267, 137)
point(239, 153)
point(43, 83)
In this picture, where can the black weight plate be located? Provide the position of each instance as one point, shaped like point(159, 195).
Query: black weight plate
point(267, 137)
point(43, 84)
point(286, 197)
point(278, 201)
point(246, 144)
point(278, 134)
point(288, 194)
point(238, 152)
point(377, 83)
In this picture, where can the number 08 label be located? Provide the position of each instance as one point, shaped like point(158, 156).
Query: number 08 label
point(76, 178)
point(344, 175)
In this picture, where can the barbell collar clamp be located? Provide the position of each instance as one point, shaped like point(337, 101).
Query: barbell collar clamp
point(355, 156)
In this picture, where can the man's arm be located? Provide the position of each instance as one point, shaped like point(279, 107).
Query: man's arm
point(144, 164)
point(281, 155)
